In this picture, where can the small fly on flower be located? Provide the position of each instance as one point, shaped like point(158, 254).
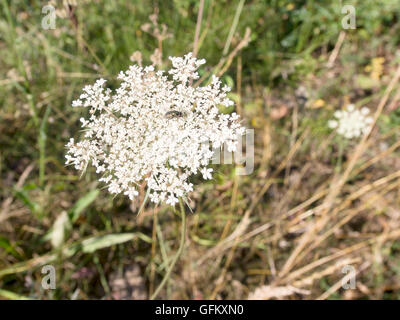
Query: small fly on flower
point(174, 114)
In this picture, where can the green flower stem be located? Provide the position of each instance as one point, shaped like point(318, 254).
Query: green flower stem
point(178, 254)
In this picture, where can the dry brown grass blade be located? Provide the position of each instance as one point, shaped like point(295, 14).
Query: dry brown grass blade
point(324, 219)
point(346, 251)
point(345, 279)
point(269, 292)
point(349, 215)
point(335, 52)
point(337, 184)
point(331, 269)
point(225, 62)
point(245, 221)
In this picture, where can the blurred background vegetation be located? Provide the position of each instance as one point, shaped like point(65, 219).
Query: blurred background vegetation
point(291, 65)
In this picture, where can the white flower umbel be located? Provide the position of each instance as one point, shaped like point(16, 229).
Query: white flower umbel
point(351, 123)
point(155, 127)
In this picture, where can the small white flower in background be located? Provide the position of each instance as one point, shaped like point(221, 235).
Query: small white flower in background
point(351, 123)
point(154, 128)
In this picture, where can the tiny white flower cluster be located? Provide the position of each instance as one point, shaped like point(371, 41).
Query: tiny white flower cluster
point(154, 128)
point(351, 123)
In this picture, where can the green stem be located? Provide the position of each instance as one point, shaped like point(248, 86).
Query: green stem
point(178, 254)
point(233, 27)
point(42, 146)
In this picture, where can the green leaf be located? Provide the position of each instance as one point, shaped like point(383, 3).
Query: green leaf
point(87, 246)
point(59, 230)
point(365, 82)
point(82, 203)
point(96, 243)
point(32, 205)
point(12, 295)
point(7, 246)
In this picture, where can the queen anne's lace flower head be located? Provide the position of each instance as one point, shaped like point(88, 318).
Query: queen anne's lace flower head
point(154, 128)
point(351, 123)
